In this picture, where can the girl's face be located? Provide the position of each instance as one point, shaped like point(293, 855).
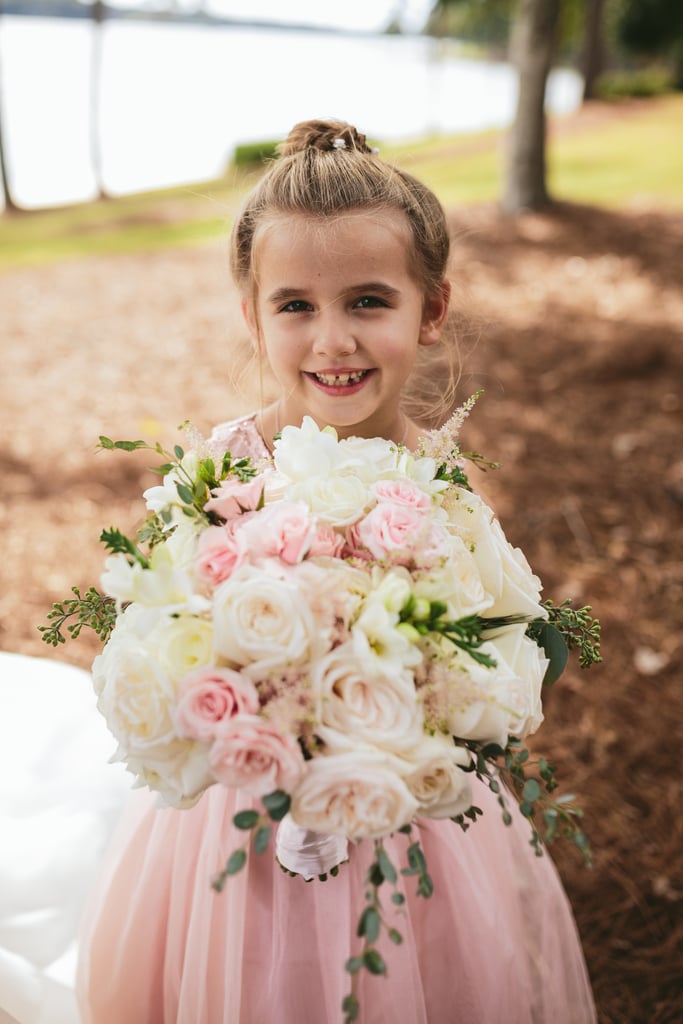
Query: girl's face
point(339, 316)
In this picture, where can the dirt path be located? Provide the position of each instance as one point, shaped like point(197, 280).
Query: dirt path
point(575, 329)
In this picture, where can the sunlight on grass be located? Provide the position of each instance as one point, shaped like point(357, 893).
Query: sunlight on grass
point(631, 155)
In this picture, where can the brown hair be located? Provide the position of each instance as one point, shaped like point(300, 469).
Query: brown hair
point(326, 169)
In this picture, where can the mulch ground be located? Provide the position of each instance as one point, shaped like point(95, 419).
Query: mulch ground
point(574, 328)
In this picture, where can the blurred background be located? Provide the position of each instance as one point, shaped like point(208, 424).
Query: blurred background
point(552, 131)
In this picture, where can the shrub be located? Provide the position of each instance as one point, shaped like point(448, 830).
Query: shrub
point(250, 154)
point(643, 83)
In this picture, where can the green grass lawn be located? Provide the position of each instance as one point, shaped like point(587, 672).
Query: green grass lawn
point(635, 154)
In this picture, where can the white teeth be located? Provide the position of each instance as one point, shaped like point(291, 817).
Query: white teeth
point(340, 379)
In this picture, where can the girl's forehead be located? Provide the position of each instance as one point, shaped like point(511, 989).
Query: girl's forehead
point(350, 232)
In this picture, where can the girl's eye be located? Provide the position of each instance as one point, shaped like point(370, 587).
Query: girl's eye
point(296, 306)
point(369, 302)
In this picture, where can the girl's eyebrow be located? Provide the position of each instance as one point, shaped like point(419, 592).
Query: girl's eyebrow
point(387, 291)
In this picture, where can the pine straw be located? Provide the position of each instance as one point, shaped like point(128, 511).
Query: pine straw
point(576, 323)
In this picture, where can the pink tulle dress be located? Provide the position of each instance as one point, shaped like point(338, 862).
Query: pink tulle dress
point(495, 944)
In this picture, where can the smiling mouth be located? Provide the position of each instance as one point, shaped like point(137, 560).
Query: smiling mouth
point(341, 379)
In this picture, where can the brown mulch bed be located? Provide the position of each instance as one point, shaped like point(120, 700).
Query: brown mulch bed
point(575, 331)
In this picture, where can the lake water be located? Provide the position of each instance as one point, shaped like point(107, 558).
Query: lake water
point(174, 100)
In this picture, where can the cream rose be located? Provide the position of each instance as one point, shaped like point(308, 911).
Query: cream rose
point(359, 794)
point(300, 448)
point(262, 622)
point(437, 781)
point(377, 709)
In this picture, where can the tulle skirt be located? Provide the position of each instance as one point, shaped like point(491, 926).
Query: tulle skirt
point(496, 942)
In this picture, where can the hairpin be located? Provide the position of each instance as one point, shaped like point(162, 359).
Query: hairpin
point(339, 143)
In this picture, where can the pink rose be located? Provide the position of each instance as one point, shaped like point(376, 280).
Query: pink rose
point(326, 542)
point(209, 697)
point(219, 552)
point(283, 530)
point(400, 535)
point(234, 497)
point(401, 492)
point(251, 754)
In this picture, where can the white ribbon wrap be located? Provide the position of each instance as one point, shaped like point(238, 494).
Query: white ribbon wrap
point(308, 853)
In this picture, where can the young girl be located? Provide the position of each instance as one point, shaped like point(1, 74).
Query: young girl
point(341, 262)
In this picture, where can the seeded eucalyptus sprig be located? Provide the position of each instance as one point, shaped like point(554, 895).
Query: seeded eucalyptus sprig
point(91, 610)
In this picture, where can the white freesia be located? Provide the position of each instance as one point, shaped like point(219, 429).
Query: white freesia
point(299, 451)
point(165, 495)
point(166, 583)
point(379, 643)
point(360, 795)
point(437, 780)
point(263, 622)
point(377, 709)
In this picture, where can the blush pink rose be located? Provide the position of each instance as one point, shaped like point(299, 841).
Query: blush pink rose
point(401, 492)
point(219, 552)
point(251, 754)
point(326, 542)
point(209, 697)
point(283, 530)
point(234, 497)
point(399, 535)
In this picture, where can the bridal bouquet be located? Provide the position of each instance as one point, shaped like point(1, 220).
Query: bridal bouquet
point(342, 631)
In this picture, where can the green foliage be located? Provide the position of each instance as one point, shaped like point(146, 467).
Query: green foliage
point(578, 628)
point(252, 154)
point(91, 610)
point(643, 83)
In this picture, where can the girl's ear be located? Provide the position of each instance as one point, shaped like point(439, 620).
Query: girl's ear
point(434, 314)
point(247, 308)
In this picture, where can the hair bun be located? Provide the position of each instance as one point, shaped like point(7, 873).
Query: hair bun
point(323, 135)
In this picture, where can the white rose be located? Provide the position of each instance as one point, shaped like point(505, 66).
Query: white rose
point(359, 794)
point(180, 778)
point(300, 449)
point(506, 576)
point(368, 458)
point(377, 709)
point(491, 704)
point(457, 582)
point(437, 780)
point(528, 663)
point(135, 693)
point(262, 622)
point(183, 643)
point(334, 499)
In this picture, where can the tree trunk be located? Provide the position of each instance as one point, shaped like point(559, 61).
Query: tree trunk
point(8, 199)
point(594, 52)
point(98, 12)
point(533, 42)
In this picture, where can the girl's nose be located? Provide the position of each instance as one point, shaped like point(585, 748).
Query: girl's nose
point(333, 335)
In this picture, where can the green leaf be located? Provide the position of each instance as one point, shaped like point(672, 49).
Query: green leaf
point(236, 862)
point(369, 924)
point(354, 965)
point(262, 839)
point(395, 936)
point(178, 452)
point(245, 819)
point(386, 867)
point(374, 962)
point(398, 898)
point(184, 493)
point(531, 791)
point(277, 804)
point(130, 446)
point(556, 650)
point(106, 442)
point(350, 1007)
